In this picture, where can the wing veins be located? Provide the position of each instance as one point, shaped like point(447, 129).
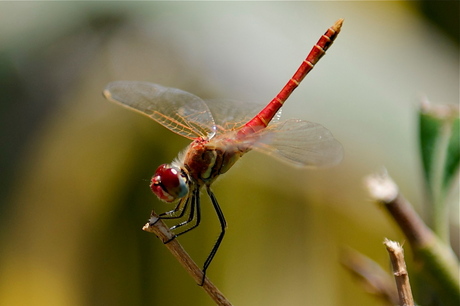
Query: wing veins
point(174, 125)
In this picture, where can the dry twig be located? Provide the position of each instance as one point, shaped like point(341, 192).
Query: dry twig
point(161, 230)
point(400, 273)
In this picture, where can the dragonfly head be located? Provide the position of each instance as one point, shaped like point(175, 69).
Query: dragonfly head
point(169, 183)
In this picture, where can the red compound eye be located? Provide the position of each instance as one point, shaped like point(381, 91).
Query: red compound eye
point(168, 183)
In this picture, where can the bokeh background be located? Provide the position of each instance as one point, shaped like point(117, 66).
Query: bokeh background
point(75, 168)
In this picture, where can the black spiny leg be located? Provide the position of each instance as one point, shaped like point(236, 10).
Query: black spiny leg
point(180, 208)
point(195, 207)
point(223, 226)
point(194, 215)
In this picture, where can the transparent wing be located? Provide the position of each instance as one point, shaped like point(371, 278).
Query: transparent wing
point(177, 110)
point(299, 143)
point(230, 115)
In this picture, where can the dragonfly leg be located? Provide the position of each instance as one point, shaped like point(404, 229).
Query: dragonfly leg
point(195, 214)
point(181, 207)
point(223, 226)
point(191, 215)
point(178, 211)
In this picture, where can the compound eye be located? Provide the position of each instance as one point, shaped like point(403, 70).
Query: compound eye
point(168, 183)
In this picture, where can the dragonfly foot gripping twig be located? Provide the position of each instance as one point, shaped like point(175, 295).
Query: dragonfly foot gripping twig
point(161, 230)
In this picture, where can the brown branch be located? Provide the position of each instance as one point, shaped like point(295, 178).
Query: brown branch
point(161, 230)
point(401, 275)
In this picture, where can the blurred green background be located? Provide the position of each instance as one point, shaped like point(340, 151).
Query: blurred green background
point(75, 168)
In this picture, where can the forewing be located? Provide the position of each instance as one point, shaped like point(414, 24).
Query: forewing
point(230, 115)
point(298, 142)
point(177, 110)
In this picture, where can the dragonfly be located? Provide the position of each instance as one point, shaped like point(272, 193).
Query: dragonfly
point(221, 133)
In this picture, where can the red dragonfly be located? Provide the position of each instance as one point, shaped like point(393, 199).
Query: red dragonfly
point(221, 134)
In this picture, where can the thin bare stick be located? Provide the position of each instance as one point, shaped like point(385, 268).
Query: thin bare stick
point(161, 230)
point(374, 279)
point(396, 253)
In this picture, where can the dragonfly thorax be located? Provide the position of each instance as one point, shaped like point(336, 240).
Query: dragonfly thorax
point(169, 183)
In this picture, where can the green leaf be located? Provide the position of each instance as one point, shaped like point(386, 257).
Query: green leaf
point(429, 130)
point(440, 145)
point(453, 154)
point(440, 152)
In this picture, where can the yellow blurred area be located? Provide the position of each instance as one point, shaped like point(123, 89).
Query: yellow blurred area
point(76, 167)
